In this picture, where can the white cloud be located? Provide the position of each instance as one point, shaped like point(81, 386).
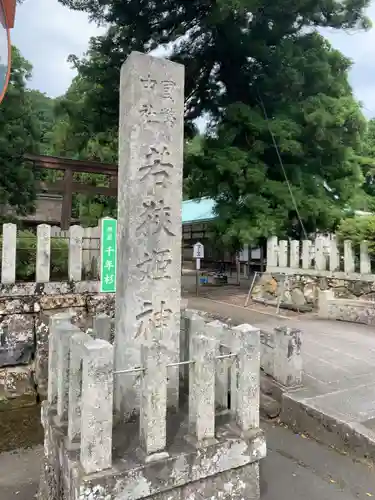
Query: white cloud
point(46, 33)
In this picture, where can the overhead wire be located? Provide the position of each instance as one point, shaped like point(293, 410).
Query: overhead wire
point(282, 165)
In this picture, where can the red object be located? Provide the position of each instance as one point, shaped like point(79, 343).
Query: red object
point(9, 8)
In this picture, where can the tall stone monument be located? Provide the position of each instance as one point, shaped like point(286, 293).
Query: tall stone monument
point(149, 219)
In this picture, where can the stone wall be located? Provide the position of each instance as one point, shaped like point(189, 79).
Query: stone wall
point(342, 309)
point(302, 290)
point(24, 316)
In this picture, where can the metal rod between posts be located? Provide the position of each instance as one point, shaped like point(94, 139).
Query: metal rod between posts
point(138, 369)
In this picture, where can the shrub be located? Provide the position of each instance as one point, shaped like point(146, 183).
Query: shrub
point(357, 229)
point(26, 257)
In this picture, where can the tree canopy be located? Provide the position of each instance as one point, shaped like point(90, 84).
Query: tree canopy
point(286, 147)
point(284, 138)
point(20, 132)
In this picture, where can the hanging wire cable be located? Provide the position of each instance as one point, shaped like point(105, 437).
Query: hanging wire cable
point(282, 166)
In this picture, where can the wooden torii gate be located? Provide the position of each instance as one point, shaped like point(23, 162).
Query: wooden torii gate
point(67, 186)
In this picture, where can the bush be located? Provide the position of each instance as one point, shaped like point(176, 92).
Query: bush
point(357, 229)
point(26, 257)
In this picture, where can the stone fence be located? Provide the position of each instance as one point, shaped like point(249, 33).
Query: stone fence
point(342, 309)
point(281, 355)
point(297, 270)
point(82, 252)
point(194, 454)
point(25, 310)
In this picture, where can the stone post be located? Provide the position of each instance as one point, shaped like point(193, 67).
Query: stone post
point(348, 257)
point(149, 218)
point(283, 253)
point(97, 405)
point(55, 322)
point(75, 253)
point(294, 254)
point(153, 411)
point(220, 332)
point(320, 259)
point(202, 388)
point(43, 253)
point(102, 326)
point(8, 260)
point(272, 252)
point(323, 303)
point(62, 337)
point(247, 378)
point(365, 262)
point(77, 342)
point(334, 256)
point(306, 254)
point(288, 359)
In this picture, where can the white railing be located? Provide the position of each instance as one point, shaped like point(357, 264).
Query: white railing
point(82, 251)
point(322, 257)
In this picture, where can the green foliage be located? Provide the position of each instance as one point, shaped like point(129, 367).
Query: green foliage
point(42, 109)
point(19, 133)
point(242, 58)
point(357, 229)
point(26, 257)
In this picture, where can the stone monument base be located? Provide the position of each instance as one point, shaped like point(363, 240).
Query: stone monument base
point(225, 468)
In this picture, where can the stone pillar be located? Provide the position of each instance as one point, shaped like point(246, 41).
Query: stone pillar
point(287, 357)
point(218, 330)
point(365, 261)
point(283, 253)
point(8, 260)
point(149, 218)
point(55, 321)
point(272, 252)
point(75, 253)
point(306, 254)
point(334, 255)
point(348, 257)
point(77, 342)
point(294, 254)
point(202, 388)
point(102, 326)
point(325, 296)
point(43, 253)
point(153, 408)
point(62, 337)
point(247, 379)
point(320, 259)
point(97, 406)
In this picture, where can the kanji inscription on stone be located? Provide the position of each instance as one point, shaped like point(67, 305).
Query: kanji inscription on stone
point(155, 265)
point(155, 218)
point(157, 165)
point(148, 287)
point(153, 319)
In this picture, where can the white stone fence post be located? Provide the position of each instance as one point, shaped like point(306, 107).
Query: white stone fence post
point(322, 256)
point(44, 234)
point(81, 379)
point(223, 372)
point(281, 355)
point(80, 390)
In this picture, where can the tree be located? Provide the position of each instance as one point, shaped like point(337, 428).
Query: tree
point(245, 59)
point(317, 128)
point(357, 229)
point(42, 110)
point(20, 132)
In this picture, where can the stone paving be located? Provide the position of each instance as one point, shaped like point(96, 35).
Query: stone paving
point(339, 363)
point(295, 468)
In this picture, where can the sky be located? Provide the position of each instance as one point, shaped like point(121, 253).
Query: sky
point(46, 33)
